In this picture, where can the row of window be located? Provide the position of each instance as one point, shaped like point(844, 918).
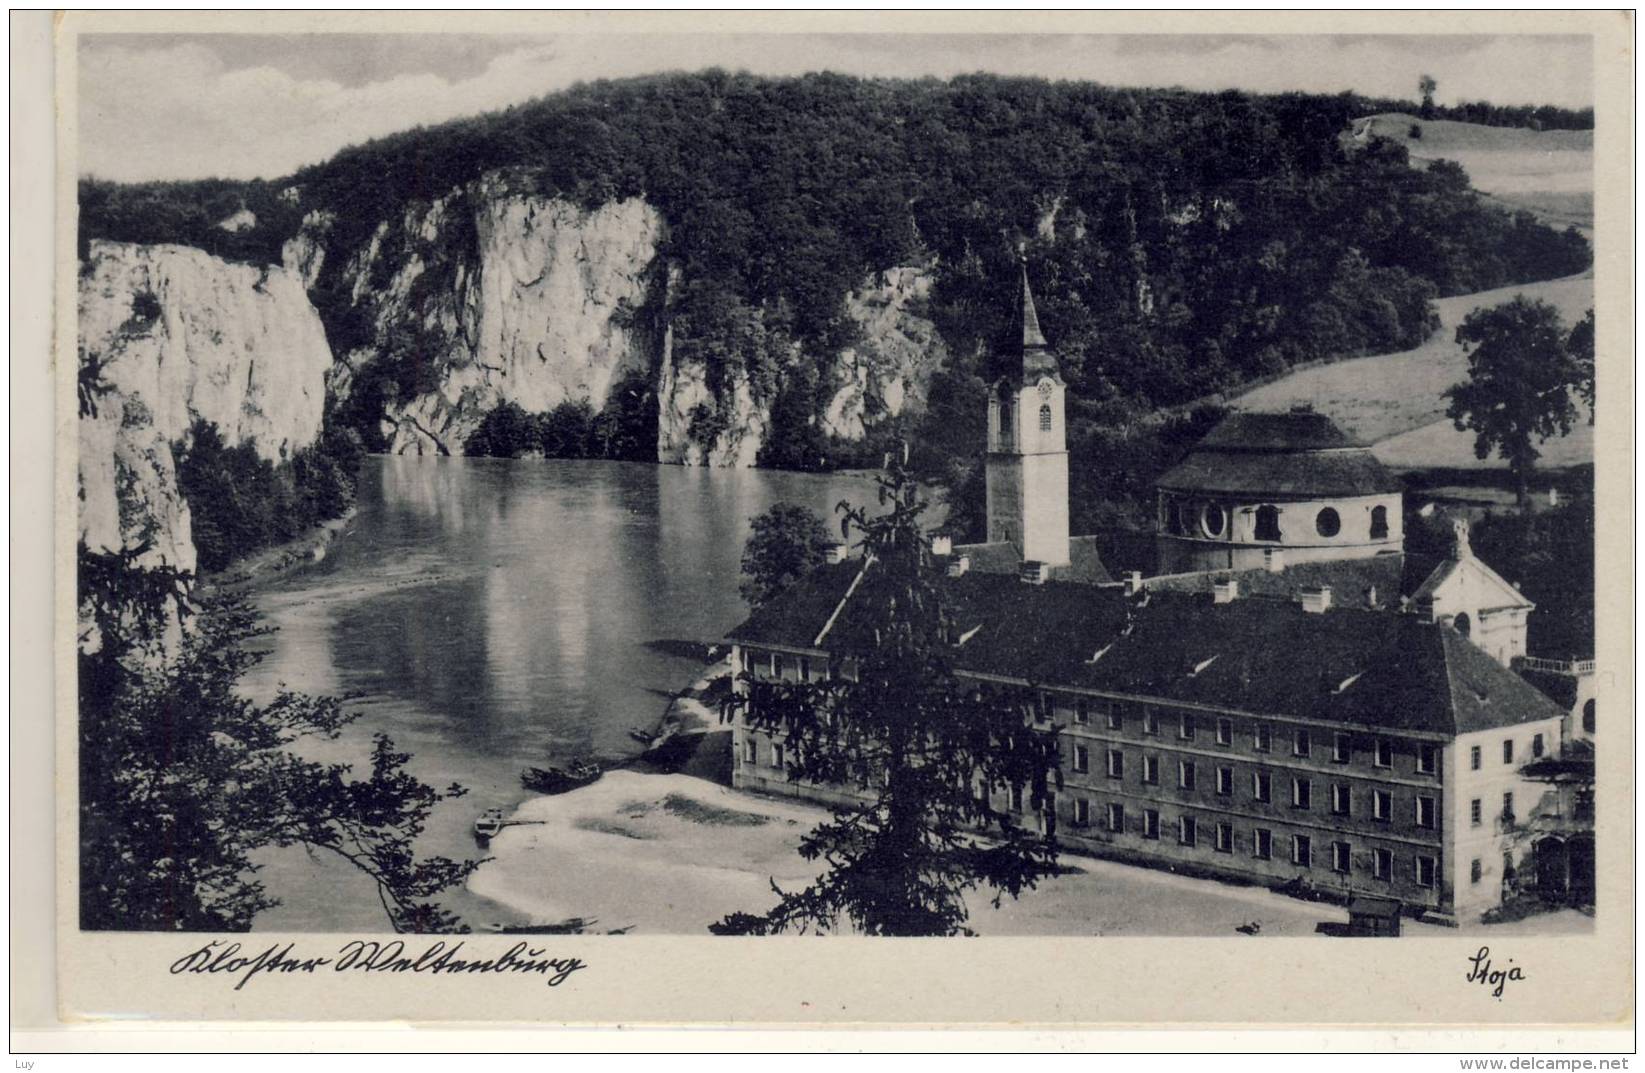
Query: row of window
point(1301, 739)
point(1426, 812)
point(1261, 842)
point(1187, 518)
point(1476, 810)
point(1476, 754)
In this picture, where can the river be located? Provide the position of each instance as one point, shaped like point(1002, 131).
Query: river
point(488, 614)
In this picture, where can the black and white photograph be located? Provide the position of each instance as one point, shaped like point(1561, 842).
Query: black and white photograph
point(546, 486)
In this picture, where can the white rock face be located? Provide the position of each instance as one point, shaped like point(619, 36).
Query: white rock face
point(889, 370)
point(539, 311)
point(183, 335)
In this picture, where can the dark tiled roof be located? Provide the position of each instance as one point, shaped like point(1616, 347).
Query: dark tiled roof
point(1374, 668)
point(1293, 431)
point(1560, 688)
point(1084, 560)
point(1351, 581)
point(1281, 474)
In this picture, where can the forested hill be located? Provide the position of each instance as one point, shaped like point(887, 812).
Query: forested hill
point(1179, 242)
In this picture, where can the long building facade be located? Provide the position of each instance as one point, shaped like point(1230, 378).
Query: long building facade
point(1343, 723)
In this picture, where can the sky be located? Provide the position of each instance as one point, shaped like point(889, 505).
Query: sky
point(185, 106)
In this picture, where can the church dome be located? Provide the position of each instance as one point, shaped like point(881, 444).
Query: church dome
point(1280, 455)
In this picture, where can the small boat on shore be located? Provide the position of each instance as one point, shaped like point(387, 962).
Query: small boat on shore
point(556, 780)
point(568, 926)
point(489, 823)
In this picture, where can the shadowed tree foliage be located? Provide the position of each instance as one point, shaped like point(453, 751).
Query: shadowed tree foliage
point(1522, 383)
point(183, 778)
point(926, 750)
point(788, 542)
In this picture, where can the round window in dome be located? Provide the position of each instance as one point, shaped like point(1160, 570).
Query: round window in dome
point(1328, 522)
point(1212, 520)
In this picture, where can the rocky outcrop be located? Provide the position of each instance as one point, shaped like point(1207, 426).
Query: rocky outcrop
point(499, 295)
point(177, 334)
point(888, 370)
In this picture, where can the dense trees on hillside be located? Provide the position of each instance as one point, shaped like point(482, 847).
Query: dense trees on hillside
point(1179, 242)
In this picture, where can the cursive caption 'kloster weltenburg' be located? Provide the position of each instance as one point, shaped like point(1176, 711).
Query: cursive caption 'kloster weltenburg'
point(373, 956)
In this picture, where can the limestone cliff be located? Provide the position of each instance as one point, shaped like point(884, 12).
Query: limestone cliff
point(491, 295)
point(177, 335)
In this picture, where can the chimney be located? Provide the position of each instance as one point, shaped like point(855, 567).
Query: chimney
point(1133, 582)
point(1371, 597)
point(1316, 601)
point(1553, 497)
point(1273, 559)
point(1224, 590)
point(835, 553)
point(1035, 572)
point(942, 545)
point(959, 565)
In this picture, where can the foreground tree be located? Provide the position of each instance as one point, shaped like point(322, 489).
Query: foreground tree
point(788, 542)
point(182, 778)
point(1522, 383)
point(927, 749)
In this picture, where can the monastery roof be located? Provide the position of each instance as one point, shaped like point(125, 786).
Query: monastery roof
point(1372, 668)
point(1282, 455)
point(1001, 557)
point(1351, 581)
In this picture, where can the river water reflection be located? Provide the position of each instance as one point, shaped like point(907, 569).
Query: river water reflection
point(488, 614)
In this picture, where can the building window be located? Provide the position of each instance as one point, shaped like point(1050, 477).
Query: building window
point(1116, 764)
point(1211, 520)
point(1342, 800)
point(1005, 422)
point(1225, 780)
point(1341, 748)
point(1262, 844)
point(1045, 417)
point(1186, 831)
point(1116, 716)
point(1016, 799)
point(1116, 817)
point(1082, 812)
point(1150, 770)
point(1082, 760)
point(1150, 721)
point(1379, 523)
point(1042, 707)
point(1302, 850)
point(1508, 751)
point(1382, 864)
point(1262, 737)
point(1476, 812)
point(848, 670)
point(1328, 523)
point(1382, 805)
point(1462, 624)
point(1474, 758)
point(805, 668)
point(1185, 774)
point(1225, 732)
point(776, 754)
point(1475, 870)
point(1082, 711)
point(1508, 807)
point(748, 751)
point(1385, 753)
point(1299, 742)
point(776, 665)
point(1260, 786)
point(1427, 759)
point(1588, 717)
point(1426, 812)
point(1425, 871)
point(1302, 793)
point(1185, 727)
point(1536, 745)
point(1341, 857)
point(1150, 823)
point(1267, 523)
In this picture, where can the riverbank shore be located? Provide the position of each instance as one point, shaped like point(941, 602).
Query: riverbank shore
point(272, 563)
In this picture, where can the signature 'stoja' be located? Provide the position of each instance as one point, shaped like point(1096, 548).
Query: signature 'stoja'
point(1497, 980)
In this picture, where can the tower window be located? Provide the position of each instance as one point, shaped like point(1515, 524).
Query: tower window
point(1267, 523)
point(1211, 520)
point(1328, 522)
point(1045, 418)
point(1005, 422)
point(1379, 523)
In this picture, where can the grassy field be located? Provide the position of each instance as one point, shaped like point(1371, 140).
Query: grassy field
point(1549, 172)
point(1396, 401)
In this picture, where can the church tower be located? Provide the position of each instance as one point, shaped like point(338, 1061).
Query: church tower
point(1027, 450)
